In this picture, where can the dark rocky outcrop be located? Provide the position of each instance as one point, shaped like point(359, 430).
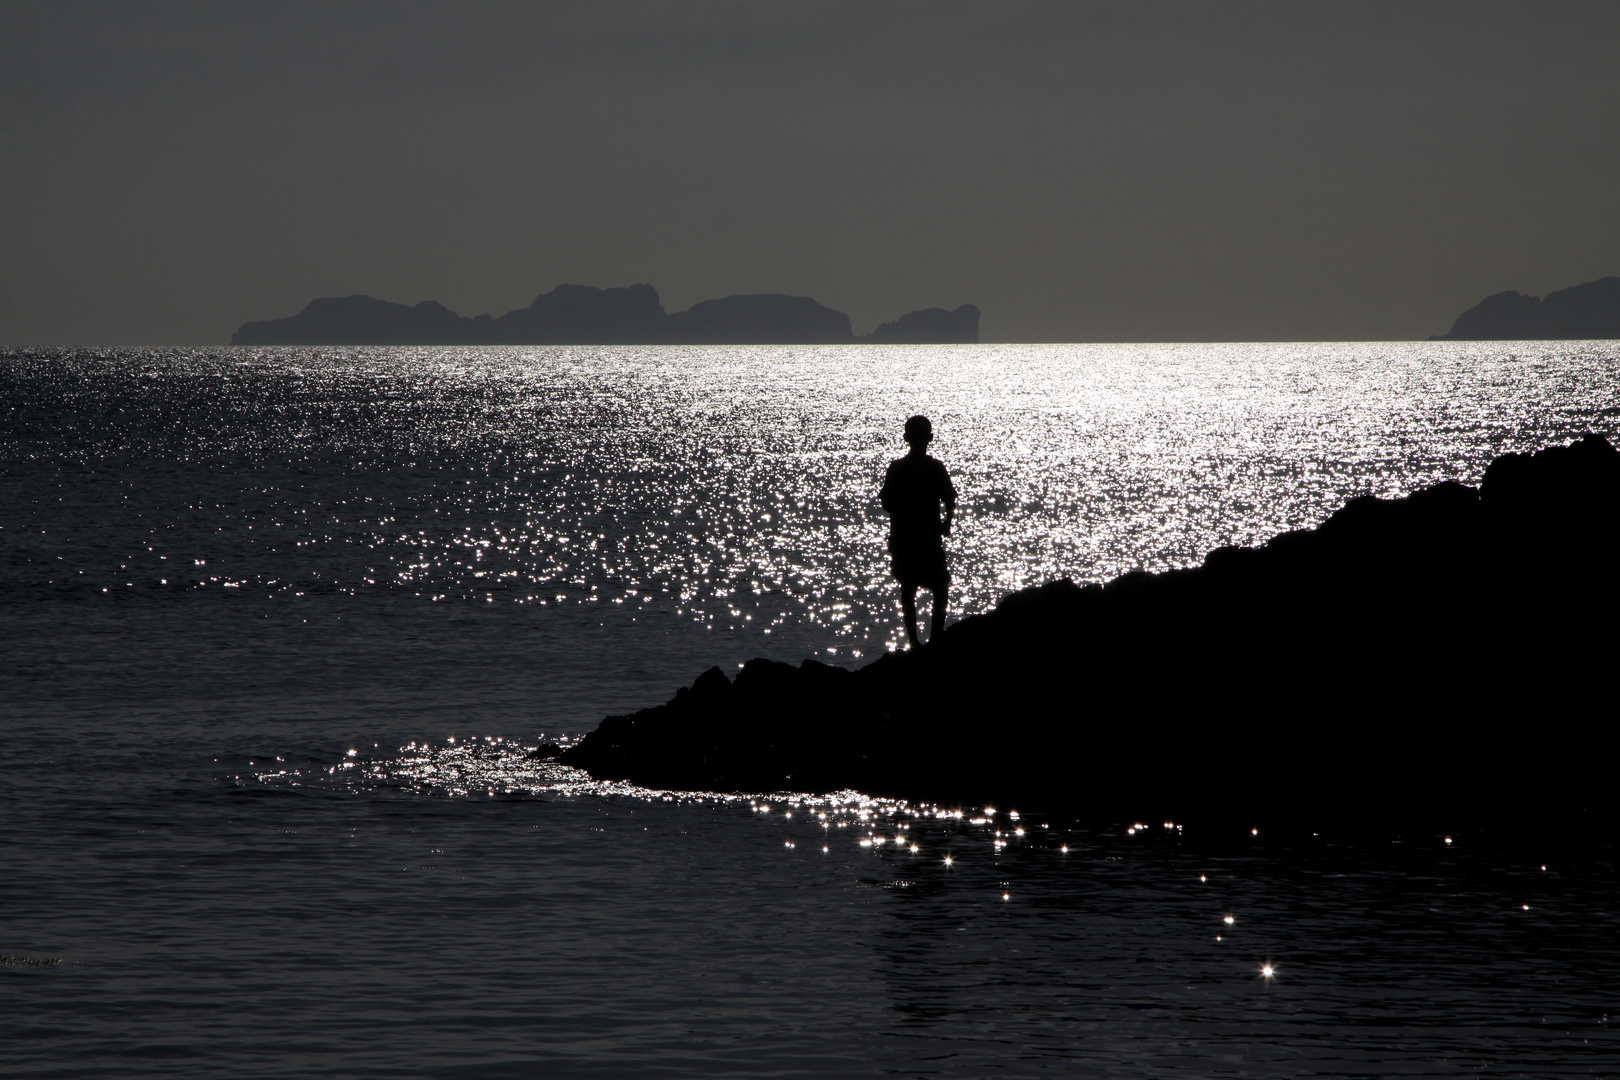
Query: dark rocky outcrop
point(931, 326)
point(1451, 651)
point(765, 319)
point(585, 315)
point(362, 320)
point(1591, 310)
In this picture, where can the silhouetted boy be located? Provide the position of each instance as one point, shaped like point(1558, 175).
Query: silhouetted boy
point(913, 490)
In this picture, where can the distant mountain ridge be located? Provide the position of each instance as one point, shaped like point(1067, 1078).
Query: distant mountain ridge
point(586, 315)
point(1589, 310)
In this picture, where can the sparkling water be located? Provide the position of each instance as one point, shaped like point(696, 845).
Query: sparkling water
point(281, 626)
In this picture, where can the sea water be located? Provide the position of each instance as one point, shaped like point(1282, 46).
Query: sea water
point(278, 628)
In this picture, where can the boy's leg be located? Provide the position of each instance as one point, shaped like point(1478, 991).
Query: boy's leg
point(940, 594)
point(908, 605)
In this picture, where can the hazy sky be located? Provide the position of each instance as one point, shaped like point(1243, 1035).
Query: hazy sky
point(1107, 171)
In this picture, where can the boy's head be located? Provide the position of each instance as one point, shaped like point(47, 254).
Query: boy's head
point(919, 432)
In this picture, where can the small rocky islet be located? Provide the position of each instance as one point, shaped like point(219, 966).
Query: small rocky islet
point(586, 315)
point(1588, 311)
point(1447, 654)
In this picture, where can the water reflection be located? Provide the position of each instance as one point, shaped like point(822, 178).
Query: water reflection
point(1077, 948)
point(519, 510)
point(734, 488)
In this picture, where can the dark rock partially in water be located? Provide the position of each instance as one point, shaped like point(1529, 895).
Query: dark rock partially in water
point(1452, 651)
point(1590, 310)
point(585, 315)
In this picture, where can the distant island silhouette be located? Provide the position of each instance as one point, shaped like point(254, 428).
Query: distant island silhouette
point(1589, 310)
point(1448, 656)
point(585, 315)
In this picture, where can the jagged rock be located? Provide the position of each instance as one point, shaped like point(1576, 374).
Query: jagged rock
point(1451, 649)
point(1589, 310)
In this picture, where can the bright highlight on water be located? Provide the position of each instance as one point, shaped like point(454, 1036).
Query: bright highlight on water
point(286, 631)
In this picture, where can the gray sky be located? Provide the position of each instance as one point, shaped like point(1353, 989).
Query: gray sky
point(1084, 171)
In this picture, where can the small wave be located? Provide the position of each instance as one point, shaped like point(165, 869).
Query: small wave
point(493, 767)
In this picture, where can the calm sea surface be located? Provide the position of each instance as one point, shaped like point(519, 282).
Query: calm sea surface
point(277, 626)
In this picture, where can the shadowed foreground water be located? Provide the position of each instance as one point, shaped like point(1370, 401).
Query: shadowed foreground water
point(377, 921)
point(226, 571)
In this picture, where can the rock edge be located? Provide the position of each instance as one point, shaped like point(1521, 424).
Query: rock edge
point(1451, 649)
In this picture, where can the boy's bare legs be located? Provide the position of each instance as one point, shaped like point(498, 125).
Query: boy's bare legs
point(908, 605)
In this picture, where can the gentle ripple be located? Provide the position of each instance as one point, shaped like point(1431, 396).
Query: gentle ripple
point(735, 487)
